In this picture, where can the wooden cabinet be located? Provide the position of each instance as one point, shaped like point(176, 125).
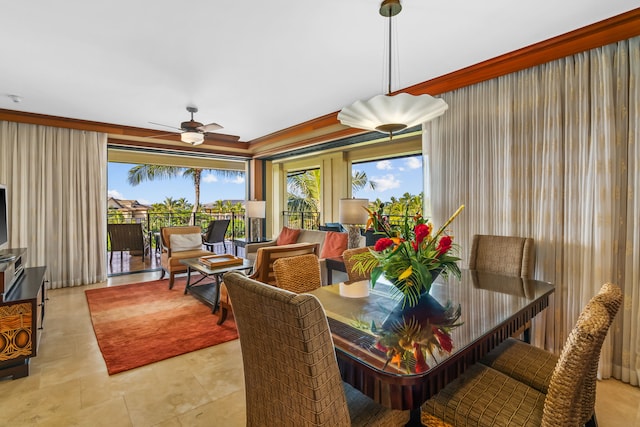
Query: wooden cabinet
point(21, 322)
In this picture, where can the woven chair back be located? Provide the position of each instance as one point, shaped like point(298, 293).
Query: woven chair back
point(298, 273)
point(610, 297)
point(290, 369)
point(511, 256)
point(563, 404)
point(349, 262)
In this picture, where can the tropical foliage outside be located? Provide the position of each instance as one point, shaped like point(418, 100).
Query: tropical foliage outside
point(303, 198)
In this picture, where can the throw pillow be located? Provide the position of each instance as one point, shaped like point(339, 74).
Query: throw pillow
point(334, 244)
point(288, 236)
point(185, 242)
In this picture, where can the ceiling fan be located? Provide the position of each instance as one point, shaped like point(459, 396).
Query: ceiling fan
point(193, 132)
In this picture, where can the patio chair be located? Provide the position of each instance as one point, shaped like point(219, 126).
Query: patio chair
point(290, 370)
point(215, 234)
point(127, 237)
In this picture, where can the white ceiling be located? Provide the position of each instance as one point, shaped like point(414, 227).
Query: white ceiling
point(253, 66)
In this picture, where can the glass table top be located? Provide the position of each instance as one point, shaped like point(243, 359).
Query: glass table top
point(378, 332)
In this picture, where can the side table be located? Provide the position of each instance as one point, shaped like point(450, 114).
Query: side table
point(241, 242)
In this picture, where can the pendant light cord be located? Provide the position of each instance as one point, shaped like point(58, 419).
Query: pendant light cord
point(389, 86)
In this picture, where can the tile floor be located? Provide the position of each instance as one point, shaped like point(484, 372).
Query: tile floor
point(69, 385)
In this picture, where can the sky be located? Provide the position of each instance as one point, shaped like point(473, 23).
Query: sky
point(393, 177)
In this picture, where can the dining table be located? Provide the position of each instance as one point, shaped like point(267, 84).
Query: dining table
point(479, 311)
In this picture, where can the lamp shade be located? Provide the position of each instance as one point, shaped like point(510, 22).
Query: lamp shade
point(352, 211)
point(193, 138)
point(256, 209)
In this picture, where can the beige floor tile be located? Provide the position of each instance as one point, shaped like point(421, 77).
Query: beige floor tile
point(617, 404)
point(226, 411)
point(106, 414)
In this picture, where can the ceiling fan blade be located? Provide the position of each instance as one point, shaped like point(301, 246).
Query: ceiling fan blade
point(161, 135)
point(211, 127)
point(160, 124)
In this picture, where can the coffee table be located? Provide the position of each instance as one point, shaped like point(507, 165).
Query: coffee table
point(209, 292)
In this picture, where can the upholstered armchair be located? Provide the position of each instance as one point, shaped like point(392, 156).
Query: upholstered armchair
point(179, 243)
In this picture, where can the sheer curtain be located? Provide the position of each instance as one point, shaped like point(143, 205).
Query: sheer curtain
point(552, 153)
point(57, 183)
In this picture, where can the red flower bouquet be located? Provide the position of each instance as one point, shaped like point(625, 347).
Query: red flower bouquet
point(410, 256)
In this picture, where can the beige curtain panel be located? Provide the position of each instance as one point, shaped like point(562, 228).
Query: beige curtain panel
point(553, 153)
point(57, 183)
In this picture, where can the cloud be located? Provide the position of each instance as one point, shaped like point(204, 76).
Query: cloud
point(414, 162)
point(384, 165)
point(144, 202)
point(386, 182)
point(115, 194)
point(235, 180)
point(208, 178)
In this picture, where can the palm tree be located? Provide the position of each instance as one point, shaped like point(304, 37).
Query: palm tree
point(359, 180)
point(304, 189)
point(218, 205)
point(141, 173)
point(170, 205)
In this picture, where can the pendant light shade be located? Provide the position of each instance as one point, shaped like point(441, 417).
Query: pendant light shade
point(391, 113)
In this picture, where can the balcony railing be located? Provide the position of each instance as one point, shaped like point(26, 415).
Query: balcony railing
point(152, 222)
point(306, 220)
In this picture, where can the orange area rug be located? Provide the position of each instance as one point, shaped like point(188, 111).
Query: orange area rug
point(142, 323)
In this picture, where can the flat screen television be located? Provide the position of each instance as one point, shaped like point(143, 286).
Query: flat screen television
point(4, 218)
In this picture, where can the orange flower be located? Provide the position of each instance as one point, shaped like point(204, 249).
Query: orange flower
point(397, 359)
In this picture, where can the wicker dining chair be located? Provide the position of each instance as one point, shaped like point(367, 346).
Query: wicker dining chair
point(349, 262)
point(290, 369)
point(298, 273)
point(534, 366)
point(483, 396)
point(508, 255)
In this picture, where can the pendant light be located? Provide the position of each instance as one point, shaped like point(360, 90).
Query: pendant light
point(392, 113)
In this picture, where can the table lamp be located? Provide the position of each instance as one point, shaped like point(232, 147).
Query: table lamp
point(352, 214)
point(256, 211)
